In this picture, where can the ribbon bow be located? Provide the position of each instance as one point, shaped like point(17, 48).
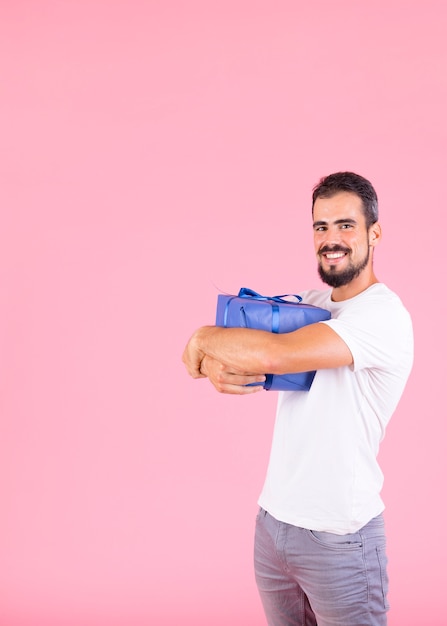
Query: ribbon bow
point(286, 298)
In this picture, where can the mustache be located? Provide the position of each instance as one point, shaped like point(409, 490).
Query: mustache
point(336, 248)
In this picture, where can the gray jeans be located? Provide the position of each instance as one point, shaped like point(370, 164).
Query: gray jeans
point(309, 578)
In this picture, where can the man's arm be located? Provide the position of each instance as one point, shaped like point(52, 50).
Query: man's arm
point(258, 352)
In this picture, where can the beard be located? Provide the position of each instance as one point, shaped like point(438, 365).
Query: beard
point(335, 278)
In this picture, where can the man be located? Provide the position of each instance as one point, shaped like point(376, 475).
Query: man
point(320, 542)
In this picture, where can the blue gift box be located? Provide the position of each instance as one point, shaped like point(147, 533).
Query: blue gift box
point(276, 314)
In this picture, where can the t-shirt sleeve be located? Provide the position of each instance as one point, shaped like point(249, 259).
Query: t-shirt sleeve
point(377, 331)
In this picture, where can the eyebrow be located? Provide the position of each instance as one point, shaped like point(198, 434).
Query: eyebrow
point(348, 220)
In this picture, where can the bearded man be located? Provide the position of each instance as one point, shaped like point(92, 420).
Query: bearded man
point(320, 546)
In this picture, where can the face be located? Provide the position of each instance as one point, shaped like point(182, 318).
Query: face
point(342, 241)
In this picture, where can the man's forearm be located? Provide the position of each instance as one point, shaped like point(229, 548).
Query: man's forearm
point(259, 352)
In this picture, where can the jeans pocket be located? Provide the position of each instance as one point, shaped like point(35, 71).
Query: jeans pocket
point(260, 514)
point(351, 541)
point(383, 561)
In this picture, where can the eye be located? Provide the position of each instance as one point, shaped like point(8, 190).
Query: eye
point(346, 226)
point(319, 229)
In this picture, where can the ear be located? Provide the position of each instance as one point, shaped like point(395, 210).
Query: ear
point(375, 234)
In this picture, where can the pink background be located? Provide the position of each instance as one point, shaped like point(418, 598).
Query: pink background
point(153, 153)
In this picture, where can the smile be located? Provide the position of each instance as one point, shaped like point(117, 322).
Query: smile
point(334, 255)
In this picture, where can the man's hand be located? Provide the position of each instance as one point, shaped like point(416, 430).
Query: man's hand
point(193, 356)
point(228, 381)
point(224, 378)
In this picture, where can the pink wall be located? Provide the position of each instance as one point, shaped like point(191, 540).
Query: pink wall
point(152, 152)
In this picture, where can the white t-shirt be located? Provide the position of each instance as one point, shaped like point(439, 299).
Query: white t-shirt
point(323, 472)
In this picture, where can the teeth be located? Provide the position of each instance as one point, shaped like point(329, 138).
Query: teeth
point(334, 255)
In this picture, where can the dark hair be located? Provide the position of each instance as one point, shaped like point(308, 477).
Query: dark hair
point(330, 185)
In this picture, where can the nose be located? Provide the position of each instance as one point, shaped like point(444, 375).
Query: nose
point(331, 236)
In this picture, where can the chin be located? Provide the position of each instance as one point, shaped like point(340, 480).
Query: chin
point(336, 278)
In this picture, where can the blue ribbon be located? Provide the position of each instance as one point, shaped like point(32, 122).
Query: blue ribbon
point(249, 293)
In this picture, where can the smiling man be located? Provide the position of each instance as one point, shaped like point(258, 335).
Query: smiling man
point(320, 542)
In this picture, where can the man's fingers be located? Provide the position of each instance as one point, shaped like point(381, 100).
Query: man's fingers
point(239, 390)
point(236, 383)
point(223, 379)
point(241, 379)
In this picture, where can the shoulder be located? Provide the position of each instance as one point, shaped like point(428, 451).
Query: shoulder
point(377, 305)
point(375, 316)
point(378, 300)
